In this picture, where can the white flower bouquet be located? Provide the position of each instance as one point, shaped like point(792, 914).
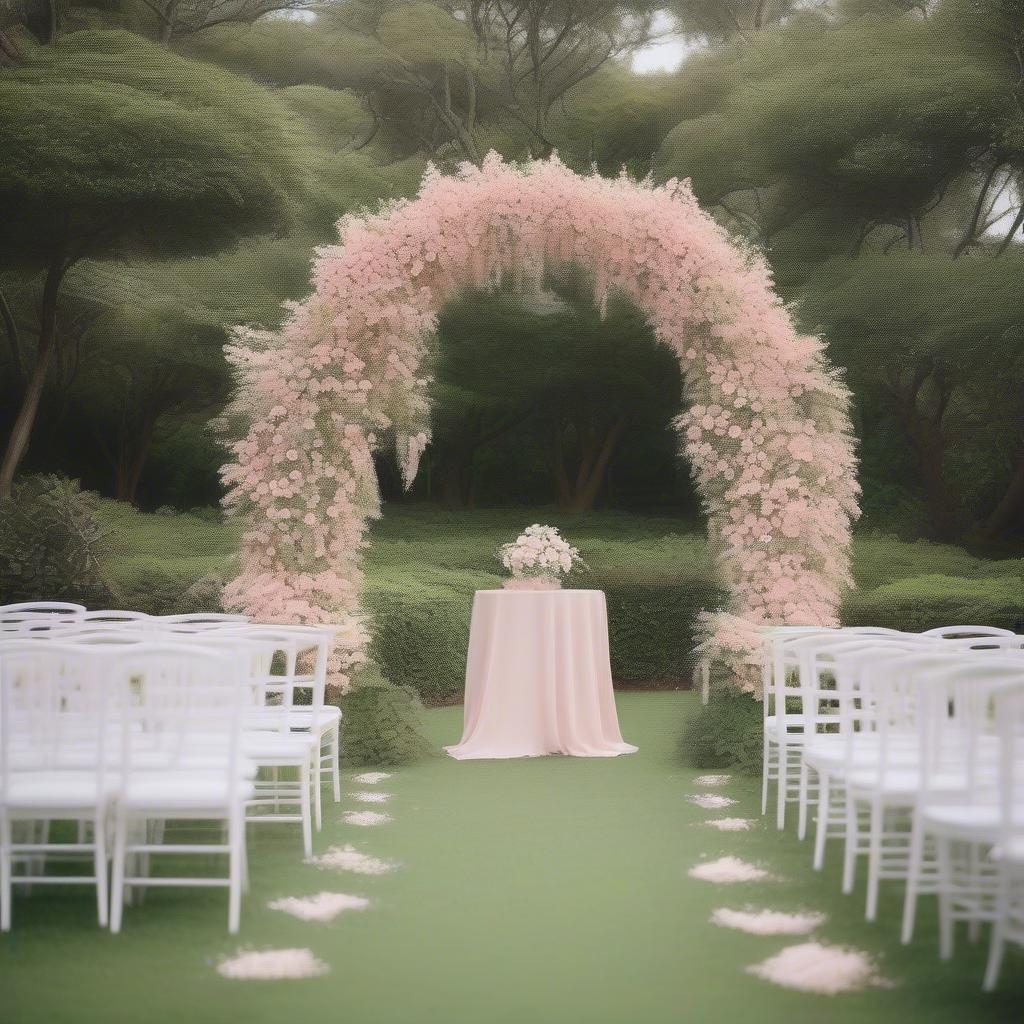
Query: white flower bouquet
point(538, 559)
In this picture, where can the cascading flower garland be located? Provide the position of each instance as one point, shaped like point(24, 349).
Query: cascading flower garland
point(767, 430)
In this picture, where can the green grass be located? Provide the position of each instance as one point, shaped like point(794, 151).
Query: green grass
point(546, 891)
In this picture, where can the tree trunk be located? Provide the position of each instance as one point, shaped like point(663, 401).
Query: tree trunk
point(457, 480)
point(132, 460)
point(941, 506)
point(589, 483)
point(580, 494)
point(21, 431)
point(1010, 510)
point(11, 327)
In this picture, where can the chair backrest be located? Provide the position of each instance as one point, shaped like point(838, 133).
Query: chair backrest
point(54, 710)
point(174, 700)
point(957, 721)
point(197, 622)
point(38, 616)
point(115, 618)
point(953, 632)
point(1009, 716)
point(42, 608)
point(267, 686)
point(304, 640)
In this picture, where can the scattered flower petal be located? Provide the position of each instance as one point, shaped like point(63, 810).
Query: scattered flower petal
point(325, 906)
point(730, 824)
point(372, 778)
point(767, 922)
point(826, 970)
point(348, 858)
point(726, 870)
point(365, 818)
point(272, 965)
point(372, 798)
point(711, 801)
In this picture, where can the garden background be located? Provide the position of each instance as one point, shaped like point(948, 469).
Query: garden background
point(168, 166)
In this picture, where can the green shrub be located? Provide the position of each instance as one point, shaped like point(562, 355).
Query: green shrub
point(924, 602)
point(380, 723)
point(51, 543)
point(724, 733)
point(420, 629)
point(651, 620)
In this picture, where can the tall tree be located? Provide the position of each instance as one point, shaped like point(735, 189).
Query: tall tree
point(117, 147)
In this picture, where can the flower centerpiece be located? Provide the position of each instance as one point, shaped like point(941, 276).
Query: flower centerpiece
point(538, 559)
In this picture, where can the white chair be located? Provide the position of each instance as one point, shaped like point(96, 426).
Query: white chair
point(957, 741)
point(312, 642)
point(54, 762)
point(179, 711)
point(839, 737)
point(783, 730)
point(1008, 925)
point(268, 739)
point(911, 758)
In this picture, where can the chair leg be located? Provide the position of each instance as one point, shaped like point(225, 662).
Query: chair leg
point(916, 856)
point(997, 943)
point(852, 841)
point(336, 763)
point(5, 873)
point(236, 854)
point(824, 813)
point(316, 783)
point(766, 761)
point(801, 827)
point(99, 839)
point(244, 848)
point(783, 785)
point(117, 872)
point(945, 899)
point(307, 826)
point(876, 828)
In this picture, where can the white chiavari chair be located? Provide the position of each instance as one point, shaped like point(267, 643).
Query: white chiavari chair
point(179, 710)
point(959, 824)
point(54, 762)
point(313, 645)
point(1008, 925)
point(784, 722)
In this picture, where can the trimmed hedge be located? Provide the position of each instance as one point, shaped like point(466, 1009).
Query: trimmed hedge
point(924, 602)
point(420, 626)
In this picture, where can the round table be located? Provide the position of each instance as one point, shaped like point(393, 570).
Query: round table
point(538, 677)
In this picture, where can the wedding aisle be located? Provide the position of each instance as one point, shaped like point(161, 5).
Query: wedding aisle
point(545, 891)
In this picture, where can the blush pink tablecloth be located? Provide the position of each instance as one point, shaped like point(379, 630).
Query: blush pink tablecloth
point(538, 677)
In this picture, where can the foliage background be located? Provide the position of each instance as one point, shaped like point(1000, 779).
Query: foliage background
point(167, 166)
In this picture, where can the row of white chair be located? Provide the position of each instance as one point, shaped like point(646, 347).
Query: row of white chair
point(908, 749)
point(48, 666)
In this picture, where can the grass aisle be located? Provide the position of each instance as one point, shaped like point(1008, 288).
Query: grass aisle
point(548, 891)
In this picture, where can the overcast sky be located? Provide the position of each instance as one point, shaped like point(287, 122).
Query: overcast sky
point(665, 55)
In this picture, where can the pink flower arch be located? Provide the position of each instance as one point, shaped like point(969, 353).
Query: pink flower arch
point(767, 430)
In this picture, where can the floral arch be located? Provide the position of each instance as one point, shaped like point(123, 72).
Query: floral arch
point(767, 431)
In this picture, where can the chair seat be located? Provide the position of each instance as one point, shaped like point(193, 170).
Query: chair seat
point(979, 817)
point(904, 782)
point(297, 717)
point(69, 791)
point(182, 791)
point(834, 752)
point(263, 746)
